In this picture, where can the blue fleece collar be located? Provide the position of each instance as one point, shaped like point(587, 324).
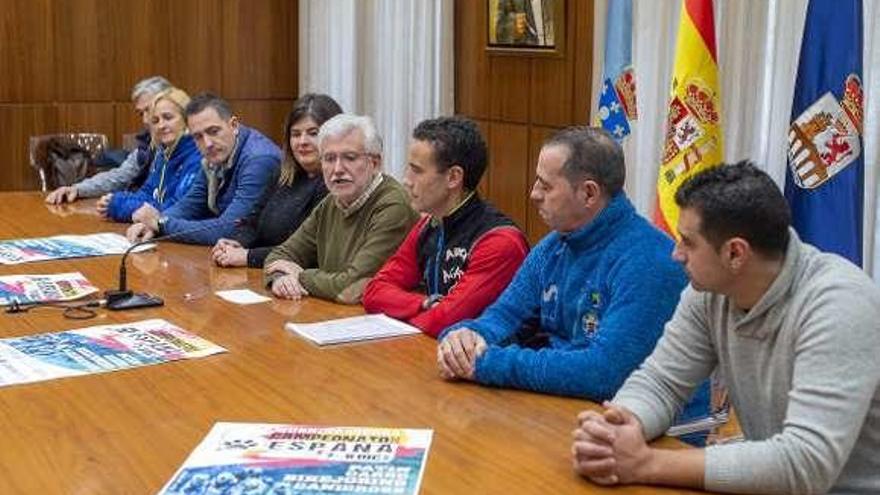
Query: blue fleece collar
point(600, 231)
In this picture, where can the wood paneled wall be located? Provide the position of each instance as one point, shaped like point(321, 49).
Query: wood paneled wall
point(520, 100)
point(69, 65)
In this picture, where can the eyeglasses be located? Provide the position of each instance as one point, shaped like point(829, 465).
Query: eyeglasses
point(347, 158)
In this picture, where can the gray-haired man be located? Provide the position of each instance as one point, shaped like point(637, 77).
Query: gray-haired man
point(122, 176)
point(351, 233)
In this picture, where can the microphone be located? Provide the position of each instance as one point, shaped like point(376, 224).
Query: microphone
point(123, 298)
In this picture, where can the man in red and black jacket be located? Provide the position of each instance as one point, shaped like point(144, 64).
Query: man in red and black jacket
point(463, 252)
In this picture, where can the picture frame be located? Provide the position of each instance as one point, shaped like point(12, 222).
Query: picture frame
point(525, 27)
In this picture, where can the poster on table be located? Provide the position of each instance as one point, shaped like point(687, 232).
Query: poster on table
point(98, 349)
point(56, 287)
point(15, 251)
point(279, 459)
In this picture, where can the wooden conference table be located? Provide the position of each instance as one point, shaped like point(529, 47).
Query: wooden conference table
point(127, 432)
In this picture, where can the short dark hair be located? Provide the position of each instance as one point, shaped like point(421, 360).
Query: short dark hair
point(455, 141)
point(592, 154)
point(203, 101)
point(320, 108)
point(738, 200)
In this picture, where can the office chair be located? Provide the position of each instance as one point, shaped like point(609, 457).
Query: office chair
point(58, 158)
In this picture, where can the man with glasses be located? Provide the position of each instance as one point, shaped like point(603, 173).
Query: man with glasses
point(238, 163)
point(351, 233)
point(136, 163)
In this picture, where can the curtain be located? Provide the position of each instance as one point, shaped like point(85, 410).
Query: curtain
point(389, 59)
point(758, 43)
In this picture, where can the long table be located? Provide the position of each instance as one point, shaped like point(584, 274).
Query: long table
point(127, 432)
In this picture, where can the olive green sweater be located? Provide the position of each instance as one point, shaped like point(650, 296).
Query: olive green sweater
point(340, 250)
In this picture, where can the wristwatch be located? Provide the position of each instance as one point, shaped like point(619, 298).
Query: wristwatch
point(161, 223)
point(431, 300)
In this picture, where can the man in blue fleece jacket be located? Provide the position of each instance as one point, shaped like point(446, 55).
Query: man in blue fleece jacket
point(601, 285)
point(238, 163)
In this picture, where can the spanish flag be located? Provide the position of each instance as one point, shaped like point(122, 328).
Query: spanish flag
point(693, 122)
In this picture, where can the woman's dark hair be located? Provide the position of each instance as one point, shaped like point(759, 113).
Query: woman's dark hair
point(320, 108)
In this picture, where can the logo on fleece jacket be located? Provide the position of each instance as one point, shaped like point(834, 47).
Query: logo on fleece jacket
point(549, 293)
point(590, 320)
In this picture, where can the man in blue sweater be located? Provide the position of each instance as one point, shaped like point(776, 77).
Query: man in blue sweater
point(599, 287)
point(238, 163)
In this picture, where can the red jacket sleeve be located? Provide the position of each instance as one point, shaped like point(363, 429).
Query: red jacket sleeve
point(391, 290)
point(495, 258)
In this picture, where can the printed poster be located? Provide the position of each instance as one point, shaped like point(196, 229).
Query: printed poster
point(99, 349)
point(57, 287)
point(280, 459)
point(15, 251)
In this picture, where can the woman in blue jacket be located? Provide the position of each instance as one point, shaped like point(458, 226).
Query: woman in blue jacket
point(176, 162)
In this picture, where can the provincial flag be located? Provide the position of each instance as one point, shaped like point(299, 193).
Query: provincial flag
point(617, 102)
point(693, 123)
point(824, 180)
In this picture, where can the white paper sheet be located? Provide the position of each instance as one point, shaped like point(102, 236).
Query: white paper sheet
point(242, 296)
point(353, 329)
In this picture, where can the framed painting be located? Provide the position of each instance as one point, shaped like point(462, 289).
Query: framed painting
point(526, 27)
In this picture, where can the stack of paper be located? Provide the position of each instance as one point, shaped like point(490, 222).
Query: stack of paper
point(356, 328)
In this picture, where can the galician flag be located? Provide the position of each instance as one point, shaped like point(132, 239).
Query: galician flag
point(824, 182)
point(693, 123)
point(617, 103)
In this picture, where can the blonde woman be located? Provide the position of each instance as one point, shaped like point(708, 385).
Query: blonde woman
point(176, 163)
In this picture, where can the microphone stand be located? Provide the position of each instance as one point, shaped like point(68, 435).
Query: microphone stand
point(123, 298)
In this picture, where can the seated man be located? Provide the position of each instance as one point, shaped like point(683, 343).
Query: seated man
point(463, 253)
point(136, 163)
point(353, 230)
point(793, 330)
point(238, 163)
point(600, 286)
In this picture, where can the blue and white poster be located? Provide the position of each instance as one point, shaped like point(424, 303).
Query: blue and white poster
point(56, 287)
point(278, 459)
point(15, 251)
point(97, 349)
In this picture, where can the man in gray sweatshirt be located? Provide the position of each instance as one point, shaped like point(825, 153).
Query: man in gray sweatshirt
point(124, 175)
point(794, 331)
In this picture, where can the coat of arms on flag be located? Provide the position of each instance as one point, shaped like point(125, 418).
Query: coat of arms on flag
point(693, 140)
point(688, 139)
point(617, 104)
point(826, 137)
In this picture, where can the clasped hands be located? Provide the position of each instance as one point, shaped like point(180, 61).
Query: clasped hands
point(457, 354)
point(229, 252)
point(287, 286)
point(609, 447)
